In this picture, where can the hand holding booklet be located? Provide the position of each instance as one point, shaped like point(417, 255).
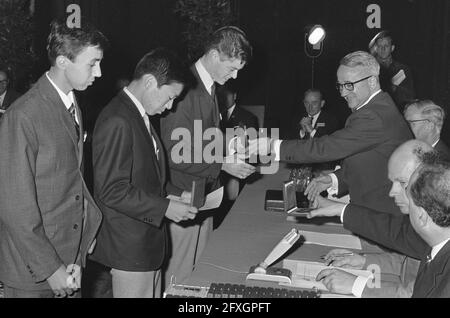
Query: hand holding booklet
point(212, 200)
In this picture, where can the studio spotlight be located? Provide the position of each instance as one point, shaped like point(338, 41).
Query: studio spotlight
point(316, 34)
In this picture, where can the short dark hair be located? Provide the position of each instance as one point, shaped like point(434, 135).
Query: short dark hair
point(230, 41)
point(164, 65)
point(430, 190)
point(69, 42)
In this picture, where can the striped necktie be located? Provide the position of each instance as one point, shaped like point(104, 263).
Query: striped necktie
point(73, 114)
point(155, 145)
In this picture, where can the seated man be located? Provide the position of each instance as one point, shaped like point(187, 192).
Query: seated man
point(428, 207)
point(426, 120)
point(233, 116)
point(314, 121)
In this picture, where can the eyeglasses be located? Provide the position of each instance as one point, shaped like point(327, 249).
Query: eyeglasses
point(350, 85)
point(5, 81)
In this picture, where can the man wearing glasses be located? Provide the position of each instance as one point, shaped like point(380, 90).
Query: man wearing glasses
point(426, 119)
point(7, 96)
point(371, 133)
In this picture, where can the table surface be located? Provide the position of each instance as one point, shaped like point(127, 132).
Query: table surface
point(249, 233)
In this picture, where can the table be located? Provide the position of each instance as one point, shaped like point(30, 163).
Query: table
point(248, 234)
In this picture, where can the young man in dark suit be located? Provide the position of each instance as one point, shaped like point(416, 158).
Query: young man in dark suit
point(371, 133)
point(130, 182)
point(423, 234)
point(225, 54)
point(7, 94)
point(48, 218)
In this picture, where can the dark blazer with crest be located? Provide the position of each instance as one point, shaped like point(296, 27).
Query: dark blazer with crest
point(396, 232)
point(365, 144)
point(47, 215)
point(129, 186)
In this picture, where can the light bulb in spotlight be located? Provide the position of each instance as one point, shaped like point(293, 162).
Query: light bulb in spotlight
point(316, 35)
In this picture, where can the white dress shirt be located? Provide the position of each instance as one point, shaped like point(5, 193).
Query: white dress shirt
point(68, 99)
point(144, 115)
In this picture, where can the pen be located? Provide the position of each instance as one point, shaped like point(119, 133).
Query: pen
point(350, 254)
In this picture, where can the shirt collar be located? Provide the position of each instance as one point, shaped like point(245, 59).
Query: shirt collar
point(2, 96)
point(230, 110)
point(136, 102)
point(204, 76)
point(437, 248)
point(370, 98)
point(68, 99)
point(435, 143)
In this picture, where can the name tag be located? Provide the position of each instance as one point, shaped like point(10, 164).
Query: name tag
point(320, 125)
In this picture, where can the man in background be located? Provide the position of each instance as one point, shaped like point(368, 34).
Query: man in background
point(396, 78)
point(426, 119)
point(48, 218)
point(7, 94)
point(233, 116)
point(314, 121)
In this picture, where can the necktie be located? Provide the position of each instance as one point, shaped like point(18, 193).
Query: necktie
point(216, 116)
point(72, 112)
point(155, 145)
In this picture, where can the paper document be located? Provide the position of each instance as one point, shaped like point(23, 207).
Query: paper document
point(398, 78)
point(304, 273)
point(336, 240)
point(212, 200)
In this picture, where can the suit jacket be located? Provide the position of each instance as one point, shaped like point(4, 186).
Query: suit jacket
point(365, 144)
point(239, 117)
point(326, 124)
point(443, 150)
point(396, 232)
point(47, 215)
point(433, 278)
point(129, 186)
point(197, 105)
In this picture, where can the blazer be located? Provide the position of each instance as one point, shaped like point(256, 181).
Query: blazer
point(443, 150)
point(197, 105)
point(365, 144)
point(129, 186)
point(47, 215)
point(326, 124)
point(433, 278)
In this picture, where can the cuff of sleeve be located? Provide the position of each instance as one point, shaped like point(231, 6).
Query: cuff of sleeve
point(342, 213)
point(335, 183)
point(359, 285)
point(313, 132)
point(276, 149)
